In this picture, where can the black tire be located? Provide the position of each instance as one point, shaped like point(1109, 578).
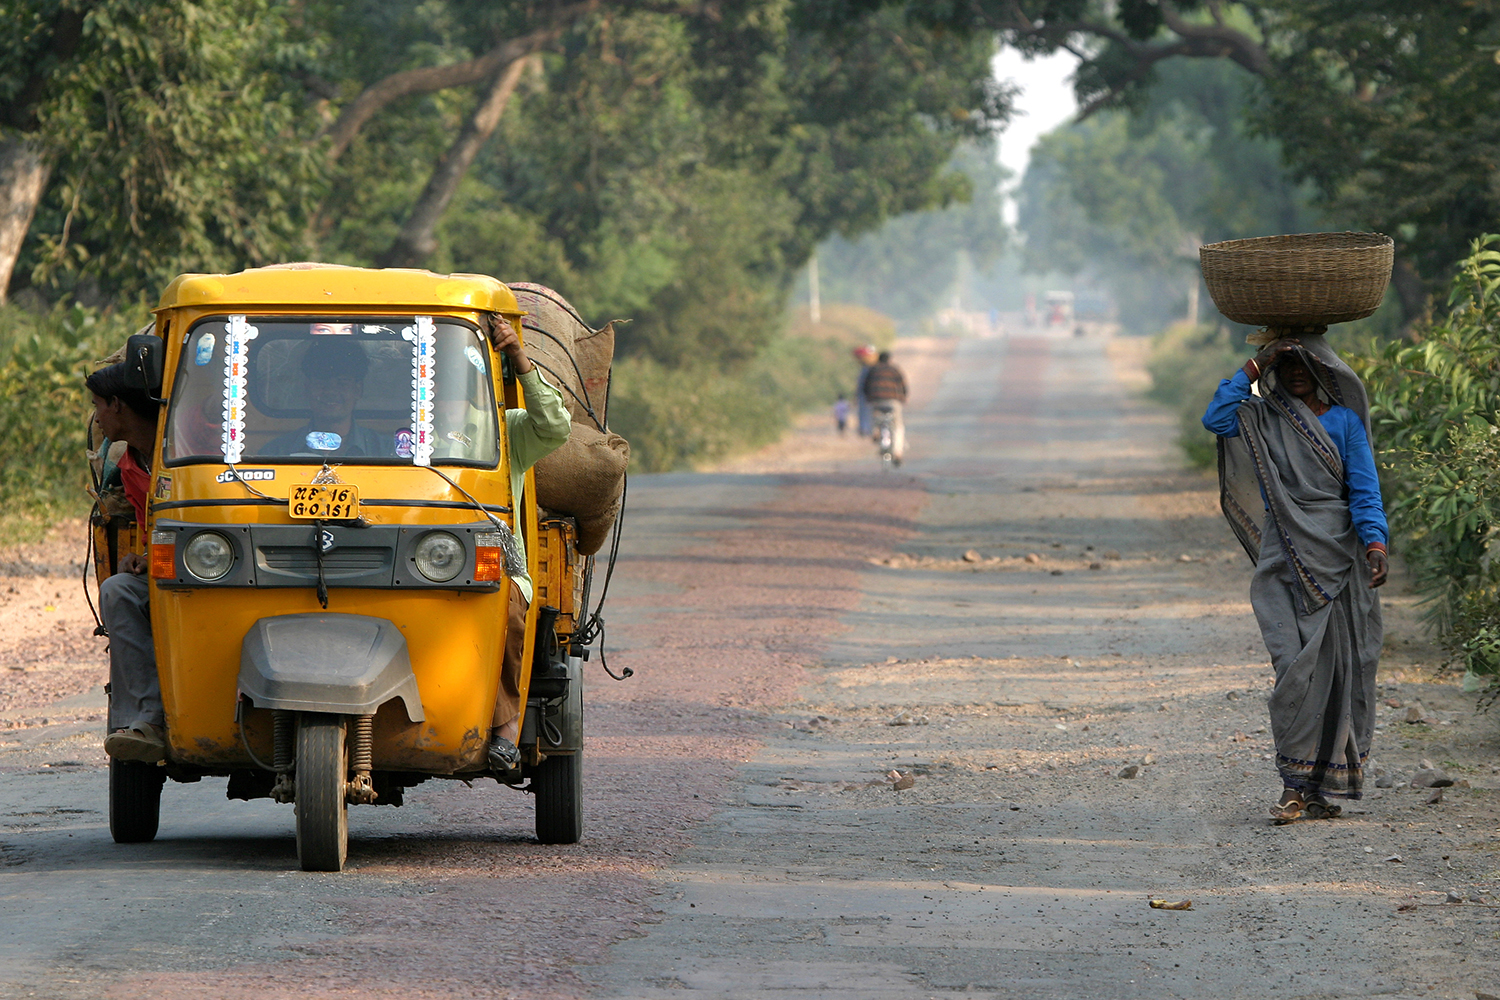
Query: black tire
point(134, 801)
point(558, 784)
point(322, 776)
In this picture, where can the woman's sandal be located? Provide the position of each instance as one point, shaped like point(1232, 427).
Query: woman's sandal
point(1323, 809)
point(1290, 811)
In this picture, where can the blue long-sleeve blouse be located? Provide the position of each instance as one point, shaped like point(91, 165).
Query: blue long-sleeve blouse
point(1348, 433)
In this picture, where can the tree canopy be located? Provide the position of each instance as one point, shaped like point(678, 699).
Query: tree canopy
point(672, 161)
point(1128, 198)
point(1388, 108)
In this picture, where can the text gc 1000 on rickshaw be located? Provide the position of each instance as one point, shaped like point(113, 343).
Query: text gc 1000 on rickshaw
point(341, 515)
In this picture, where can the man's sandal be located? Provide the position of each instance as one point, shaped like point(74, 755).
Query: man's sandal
point(1290, 811)
point(140, 741)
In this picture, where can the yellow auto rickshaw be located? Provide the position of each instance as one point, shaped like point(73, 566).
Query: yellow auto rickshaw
point(329, 630)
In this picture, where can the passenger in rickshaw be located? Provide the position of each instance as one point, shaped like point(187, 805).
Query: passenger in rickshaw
point(127, 414)
point(333, 372)
point(532, 434)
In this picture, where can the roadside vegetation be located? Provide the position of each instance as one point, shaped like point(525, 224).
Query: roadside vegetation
point(44, 410)
point(1435, 407)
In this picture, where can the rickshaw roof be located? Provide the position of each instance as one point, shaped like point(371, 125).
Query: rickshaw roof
point(318, 287)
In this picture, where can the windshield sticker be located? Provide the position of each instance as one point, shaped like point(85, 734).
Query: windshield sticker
point(163, 490)
point(330, 329)
point(475, 358)
point(204, 353)
point(324, 441)
point(421, 392)
point(404, 439)
point(238, 334)
point(249, 475)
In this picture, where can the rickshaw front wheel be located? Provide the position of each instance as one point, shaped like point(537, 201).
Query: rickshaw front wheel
point(134, 801)
point(322, 776)
point(558, 784)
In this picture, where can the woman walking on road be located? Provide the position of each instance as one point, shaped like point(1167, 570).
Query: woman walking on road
point(1297, 483)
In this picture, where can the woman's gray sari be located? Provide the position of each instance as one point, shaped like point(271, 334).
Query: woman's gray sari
point(1281, 486)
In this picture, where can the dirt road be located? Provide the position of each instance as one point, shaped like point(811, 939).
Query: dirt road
point(1039, 599)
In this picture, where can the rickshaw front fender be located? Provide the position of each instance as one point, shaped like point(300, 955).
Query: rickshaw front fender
point(336, 663)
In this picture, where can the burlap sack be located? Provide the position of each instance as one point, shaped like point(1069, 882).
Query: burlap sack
point(575, 357)
point(583, 477)
point(594, 531)
point(595, 354)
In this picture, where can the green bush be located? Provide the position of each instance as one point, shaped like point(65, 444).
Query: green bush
point(1187, 363)
point(1435, 410)
point(677, 418)
point(44, 409)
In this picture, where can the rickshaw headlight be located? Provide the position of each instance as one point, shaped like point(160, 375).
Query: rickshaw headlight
point(440, 556)
point(208, 556)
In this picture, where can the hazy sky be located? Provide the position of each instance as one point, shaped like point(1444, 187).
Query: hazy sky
point(1045, 102)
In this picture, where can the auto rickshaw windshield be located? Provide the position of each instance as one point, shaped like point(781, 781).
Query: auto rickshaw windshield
point(406, 390)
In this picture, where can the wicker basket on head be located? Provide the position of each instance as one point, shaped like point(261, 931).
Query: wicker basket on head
point(1309, 279)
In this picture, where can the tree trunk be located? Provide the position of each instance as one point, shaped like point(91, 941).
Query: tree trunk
point(416, 242)
point(1411, 292)
point(23, 177)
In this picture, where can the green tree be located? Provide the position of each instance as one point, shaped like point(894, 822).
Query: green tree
point(1128, 198)
point(147, 138)
point(1388, 107)
point(907, 268)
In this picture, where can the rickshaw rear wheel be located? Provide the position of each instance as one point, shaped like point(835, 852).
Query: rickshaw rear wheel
point(322, 776)
point(558, 784)
point(134, 801)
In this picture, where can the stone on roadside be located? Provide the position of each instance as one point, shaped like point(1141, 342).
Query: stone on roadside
point(1057, 572)
point(1385, 781)
point(1454, 896)
point(1434, 777)
point(1232, 696)
point(1129, 771)
point(1414, 713)
point(901, 719)
point(972, 556)
point(904, 782)
point(1184, 558)
point(1033, 558)
point(1096, 565)
point(1150, 758)
point(1436, 797)
point(1111, 554)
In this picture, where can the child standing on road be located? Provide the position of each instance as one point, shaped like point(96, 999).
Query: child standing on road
point(841, 414)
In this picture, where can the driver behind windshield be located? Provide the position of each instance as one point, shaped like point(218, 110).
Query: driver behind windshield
point(333, 374)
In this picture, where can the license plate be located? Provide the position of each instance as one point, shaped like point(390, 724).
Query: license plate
point(337, 502)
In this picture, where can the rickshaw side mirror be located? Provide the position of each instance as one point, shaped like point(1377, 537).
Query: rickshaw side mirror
point(144, 362)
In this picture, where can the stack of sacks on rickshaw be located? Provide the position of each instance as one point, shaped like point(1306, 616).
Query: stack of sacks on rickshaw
point(585, 478)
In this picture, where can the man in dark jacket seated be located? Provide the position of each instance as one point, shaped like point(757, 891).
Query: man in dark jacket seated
point(334, 373)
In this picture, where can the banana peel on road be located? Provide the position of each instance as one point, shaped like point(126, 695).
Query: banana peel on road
point(1165, 904)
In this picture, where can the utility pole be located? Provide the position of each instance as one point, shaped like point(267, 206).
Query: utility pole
point(815, 305)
